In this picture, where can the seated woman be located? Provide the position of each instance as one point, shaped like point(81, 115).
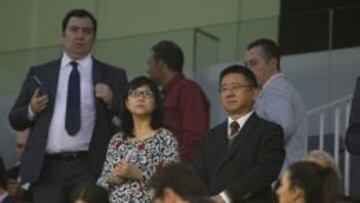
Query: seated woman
point(308, 182)
point(142, 146)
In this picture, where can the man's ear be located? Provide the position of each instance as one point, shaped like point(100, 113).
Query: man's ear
point(273, 64)
point(162, 65)
point(256, 93)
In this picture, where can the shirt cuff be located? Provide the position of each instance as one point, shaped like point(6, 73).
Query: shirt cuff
point(31, 114)
point(225, 197)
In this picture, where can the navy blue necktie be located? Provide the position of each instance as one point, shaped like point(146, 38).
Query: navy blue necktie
point(72, 119)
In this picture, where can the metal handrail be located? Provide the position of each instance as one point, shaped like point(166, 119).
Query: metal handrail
point(336, 107)
point(329, 105)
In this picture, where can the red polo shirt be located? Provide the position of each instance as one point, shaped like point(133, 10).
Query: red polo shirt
point(187, 114)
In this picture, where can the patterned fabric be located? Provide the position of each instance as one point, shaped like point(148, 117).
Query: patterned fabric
point(148, 154)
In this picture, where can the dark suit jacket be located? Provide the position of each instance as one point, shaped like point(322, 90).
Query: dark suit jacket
point(352, 139)
point(33, 157)
point(248, 168)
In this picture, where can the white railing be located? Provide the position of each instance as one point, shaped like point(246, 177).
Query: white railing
point(342, 105)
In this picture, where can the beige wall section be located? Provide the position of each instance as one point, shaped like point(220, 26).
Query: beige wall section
point(128, 17)
point(37, 23)
point(15, 24)
point(258, 18)
point(250, 9)
point(49, 15)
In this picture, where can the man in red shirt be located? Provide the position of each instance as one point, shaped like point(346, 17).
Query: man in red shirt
point(187, 108)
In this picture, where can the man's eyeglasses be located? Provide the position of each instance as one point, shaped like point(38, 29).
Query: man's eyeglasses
point(232, 88)
point(138, 93)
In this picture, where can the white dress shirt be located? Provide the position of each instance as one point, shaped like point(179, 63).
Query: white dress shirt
point(241, 121)
point(58, 138)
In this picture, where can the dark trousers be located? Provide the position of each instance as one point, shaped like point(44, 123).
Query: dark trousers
point(59, 177)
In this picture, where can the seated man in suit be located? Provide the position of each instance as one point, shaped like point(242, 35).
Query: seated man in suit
point(239, 159)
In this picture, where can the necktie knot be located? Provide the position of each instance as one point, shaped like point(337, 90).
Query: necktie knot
point(234, 128)
point(74, 64)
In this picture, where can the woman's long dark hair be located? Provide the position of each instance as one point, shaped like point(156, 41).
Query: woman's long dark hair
point(320, 184)
point(127, 123)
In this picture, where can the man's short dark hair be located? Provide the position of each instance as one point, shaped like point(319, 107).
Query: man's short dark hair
point(239, 69)
point(170, 53)
point(79, 13)
point(270, 49)
point(181, 179)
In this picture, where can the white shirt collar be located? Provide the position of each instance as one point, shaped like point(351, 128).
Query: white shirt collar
point(84, 62)
point(241, 121)
point(273, 77)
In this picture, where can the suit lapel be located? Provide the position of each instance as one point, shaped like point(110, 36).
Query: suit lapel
point(240, 138)
point(222, 141)
point(51, 77)
point(98, 73)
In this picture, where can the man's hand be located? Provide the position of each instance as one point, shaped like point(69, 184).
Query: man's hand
point(38, 102)
point(14, 189)
point(104, 92)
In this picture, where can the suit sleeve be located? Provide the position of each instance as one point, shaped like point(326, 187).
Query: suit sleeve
point(18, 116)
point(352, 139)
point(267, 167)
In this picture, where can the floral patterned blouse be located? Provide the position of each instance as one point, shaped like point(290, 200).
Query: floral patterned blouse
point(148, 154)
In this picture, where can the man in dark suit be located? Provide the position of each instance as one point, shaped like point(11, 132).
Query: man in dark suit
point(352, 140)
point(69, 104)
point(239, 159)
